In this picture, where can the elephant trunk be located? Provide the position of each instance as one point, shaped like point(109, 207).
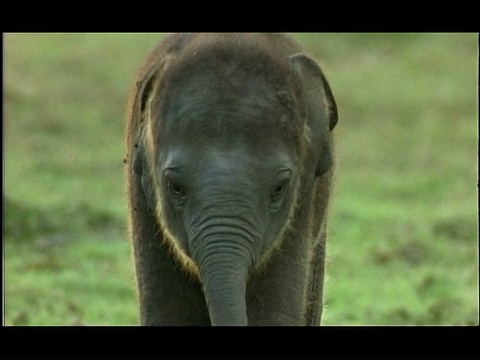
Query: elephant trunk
point(224, 267)
point(224, 287)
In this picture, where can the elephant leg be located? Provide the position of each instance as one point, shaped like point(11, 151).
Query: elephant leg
point(276, 294)
point(315, 286)
point(167, 295)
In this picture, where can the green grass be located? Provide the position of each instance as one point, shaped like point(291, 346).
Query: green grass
point(403, 245)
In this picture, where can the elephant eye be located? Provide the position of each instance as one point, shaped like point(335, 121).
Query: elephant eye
point(174, 187)
point(276, 195)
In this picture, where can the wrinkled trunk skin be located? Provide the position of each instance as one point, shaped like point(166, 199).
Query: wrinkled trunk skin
point(223, 272)
point(224, 289)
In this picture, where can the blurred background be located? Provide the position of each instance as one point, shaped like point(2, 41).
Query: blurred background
point(403, 228)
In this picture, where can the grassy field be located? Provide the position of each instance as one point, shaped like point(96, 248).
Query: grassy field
point(403, 245)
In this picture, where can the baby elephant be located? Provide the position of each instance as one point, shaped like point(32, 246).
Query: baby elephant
point(229, 170)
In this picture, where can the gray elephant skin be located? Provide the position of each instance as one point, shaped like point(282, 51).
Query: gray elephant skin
point(229, 168)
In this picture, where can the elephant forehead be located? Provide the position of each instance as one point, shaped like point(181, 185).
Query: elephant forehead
point(223, 130)
point(206, 109)
point(212, 159)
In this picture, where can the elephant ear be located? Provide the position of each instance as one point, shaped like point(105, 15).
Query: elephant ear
point(148, 84)
point(146, 88)
point(321, 108)
point(140, 167)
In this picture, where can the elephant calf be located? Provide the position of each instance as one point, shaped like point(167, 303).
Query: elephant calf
point(229, 170)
